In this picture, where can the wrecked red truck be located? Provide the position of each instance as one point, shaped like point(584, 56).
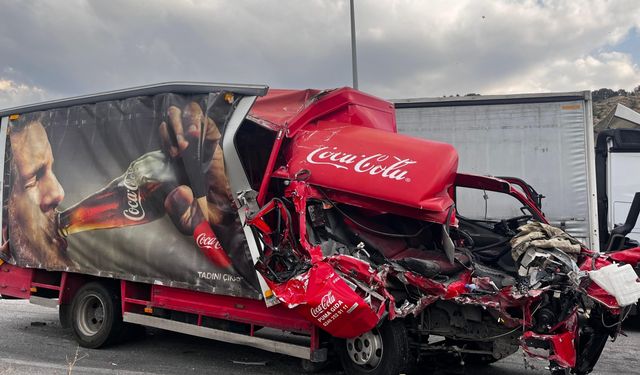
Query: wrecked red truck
point(223, 211)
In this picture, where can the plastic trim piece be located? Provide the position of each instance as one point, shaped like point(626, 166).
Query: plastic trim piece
point(240, 185)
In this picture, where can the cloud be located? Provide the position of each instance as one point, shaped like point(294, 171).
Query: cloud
point(611, 70)
point(474, 46)
point(406, 48)
point(13, 94)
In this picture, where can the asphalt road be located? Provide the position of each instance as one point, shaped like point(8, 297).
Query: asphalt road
point(32, 342)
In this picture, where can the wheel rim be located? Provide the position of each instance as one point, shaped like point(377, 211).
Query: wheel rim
point(366, 349)
point(91, 313)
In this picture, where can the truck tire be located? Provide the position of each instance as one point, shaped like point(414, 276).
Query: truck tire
point(96, 318)
point(381, 351)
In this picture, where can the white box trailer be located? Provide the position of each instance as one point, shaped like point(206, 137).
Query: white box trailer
point(545, 139)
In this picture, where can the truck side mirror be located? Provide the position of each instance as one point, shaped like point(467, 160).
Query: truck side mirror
point(618, 234)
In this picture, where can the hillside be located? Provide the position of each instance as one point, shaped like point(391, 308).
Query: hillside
point(603, 104)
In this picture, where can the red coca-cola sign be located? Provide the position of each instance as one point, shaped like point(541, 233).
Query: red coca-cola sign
point(376, 164)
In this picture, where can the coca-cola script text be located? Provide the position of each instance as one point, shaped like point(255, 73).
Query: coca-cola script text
point(387, 166)
point(206, 242)
point(134, 210)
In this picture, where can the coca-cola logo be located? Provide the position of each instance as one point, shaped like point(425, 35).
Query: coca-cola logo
point(134, 210)
point(387, 166)
point(206, 242)
point(327, 300)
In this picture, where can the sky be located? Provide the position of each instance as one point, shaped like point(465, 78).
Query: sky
point(406, 48)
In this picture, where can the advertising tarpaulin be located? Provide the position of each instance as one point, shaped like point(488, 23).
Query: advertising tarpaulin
point(133, 189)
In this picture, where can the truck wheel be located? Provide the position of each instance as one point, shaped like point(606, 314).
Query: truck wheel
point(96, 318)
point(381, 351)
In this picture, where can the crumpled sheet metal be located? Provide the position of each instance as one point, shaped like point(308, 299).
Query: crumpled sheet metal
point(629, 256)
point(324, 297)
point(466, 290)
point(561, 347)
point(356, 290)
point(539, 235)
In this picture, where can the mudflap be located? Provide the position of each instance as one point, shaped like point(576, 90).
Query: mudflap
point(323, 297)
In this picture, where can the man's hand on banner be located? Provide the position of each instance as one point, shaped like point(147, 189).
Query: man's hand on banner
point(179, 133)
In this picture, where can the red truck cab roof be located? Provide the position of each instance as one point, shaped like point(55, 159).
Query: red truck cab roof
point(348, 142)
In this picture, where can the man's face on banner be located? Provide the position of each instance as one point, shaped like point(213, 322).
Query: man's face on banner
point(35, 194)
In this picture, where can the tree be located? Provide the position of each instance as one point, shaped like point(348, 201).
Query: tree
point(622, 92)
point(602, 94)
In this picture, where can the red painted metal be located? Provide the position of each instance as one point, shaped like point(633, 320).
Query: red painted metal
point(501, 186)
point(300, 192)
point(15, 281)
point(561, 343)
point(236, 309)
point(276, 109)
point(291, 110)
point(376, 164)
point(629, 256)
point(296, 109)
point(135, 297)
point(324, 298)
point(69, 285)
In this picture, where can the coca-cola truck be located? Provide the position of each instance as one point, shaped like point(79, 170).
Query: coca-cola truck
point(221, 210)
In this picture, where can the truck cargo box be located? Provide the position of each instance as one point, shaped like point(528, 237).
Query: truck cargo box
point(92, 185)
point(545, 139)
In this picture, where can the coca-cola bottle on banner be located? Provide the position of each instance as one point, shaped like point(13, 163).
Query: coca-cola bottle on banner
point(137, 197)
